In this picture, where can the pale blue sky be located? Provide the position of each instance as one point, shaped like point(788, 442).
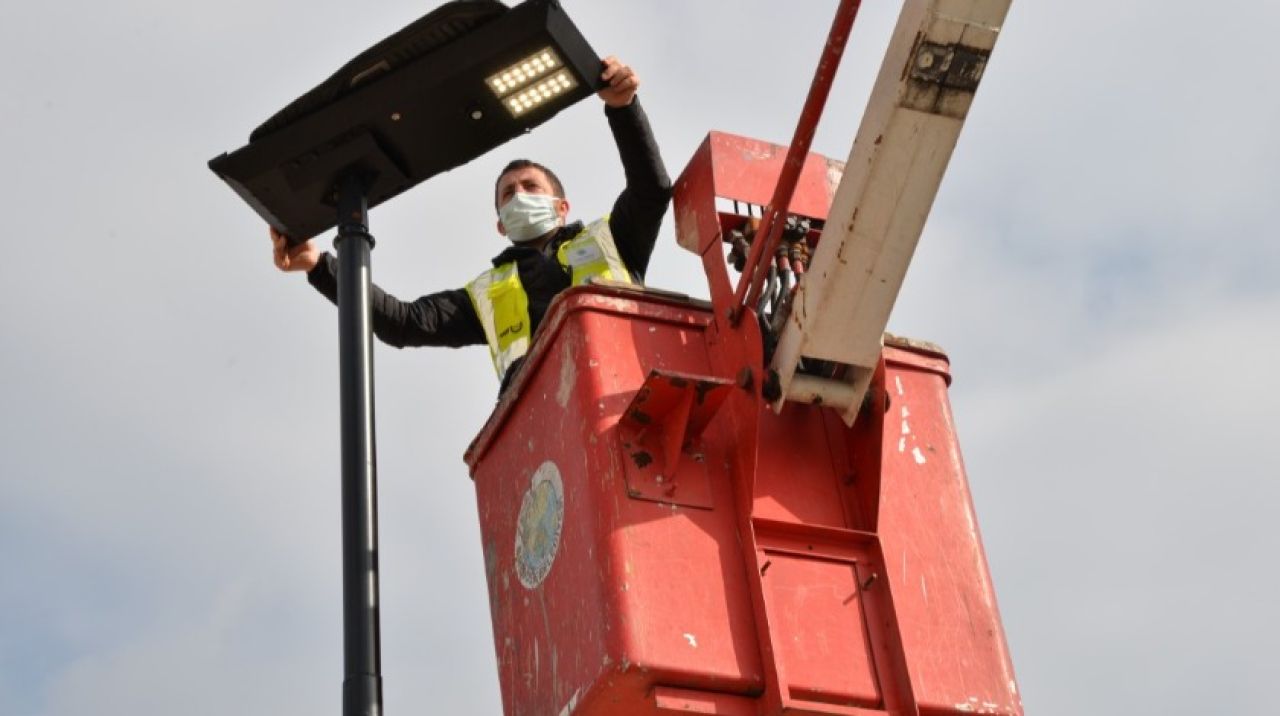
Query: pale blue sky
point(1101, 265)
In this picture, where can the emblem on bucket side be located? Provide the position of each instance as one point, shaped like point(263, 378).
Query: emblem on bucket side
point(539, 524)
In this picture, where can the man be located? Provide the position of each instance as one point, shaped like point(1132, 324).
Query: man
point(504, 305)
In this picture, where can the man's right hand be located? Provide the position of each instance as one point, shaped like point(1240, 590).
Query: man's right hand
point(302, 257)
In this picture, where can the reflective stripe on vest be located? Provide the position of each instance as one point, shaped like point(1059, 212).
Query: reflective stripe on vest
point(503, 306)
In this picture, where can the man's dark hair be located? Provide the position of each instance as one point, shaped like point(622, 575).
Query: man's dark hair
point(521, 164)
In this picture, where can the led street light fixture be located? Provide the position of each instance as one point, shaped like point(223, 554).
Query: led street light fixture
point(465, 78)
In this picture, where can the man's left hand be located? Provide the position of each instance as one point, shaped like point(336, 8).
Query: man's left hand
point(622, 83)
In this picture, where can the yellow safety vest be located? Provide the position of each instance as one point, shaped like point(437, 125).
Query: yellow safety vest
point(503, 306)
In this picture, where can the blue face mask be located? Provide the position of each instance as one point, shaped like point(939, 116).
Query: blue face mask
point(528, 216)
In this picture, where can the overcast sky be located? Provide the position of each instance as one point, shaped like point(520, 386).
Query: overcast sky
point(1100, 264)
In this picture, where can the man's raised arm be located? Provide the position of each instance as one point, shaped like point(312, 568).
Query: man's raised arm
point(638, 211)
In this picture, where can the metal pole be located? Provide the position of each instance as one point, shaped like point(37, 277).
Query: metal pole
point(775, 216)
point(362, 661)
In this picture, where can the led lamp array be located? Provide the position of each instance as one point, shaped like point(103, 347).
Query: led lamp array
point(544, 91)
point(526, 85)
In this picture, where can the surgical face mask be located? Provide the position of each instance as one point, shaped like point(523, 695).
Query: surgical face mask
point(528, 216)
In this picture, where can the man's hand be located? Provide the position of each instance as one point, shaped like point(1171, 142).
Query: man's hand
point(622, 80)
point(302, 257)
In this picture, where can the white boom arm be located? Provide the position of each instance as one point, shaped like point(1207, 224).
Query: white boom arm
point(918, 106)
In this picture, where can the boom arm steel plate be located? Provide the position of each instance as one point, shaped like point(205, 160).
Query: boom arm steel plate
point(926, 85)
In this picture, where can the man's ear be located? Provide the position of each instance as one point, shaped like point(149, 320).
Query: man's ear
point(501, 229)
point(562, 210)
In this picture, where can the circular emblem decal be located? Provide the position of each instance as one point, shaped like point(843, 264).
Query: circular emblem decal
point(538, 526)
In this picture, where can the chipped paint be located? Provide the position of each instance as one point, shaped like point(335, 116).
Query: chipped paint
point(978, 706)
point(622, 305)
point(572, 704)
point(491, 560)
point(693, 640)
point(568, 376)
point(835, 172)
point(905, 430)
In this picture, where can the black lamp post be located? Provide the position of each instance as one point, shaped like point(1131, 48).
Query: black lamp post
point(454, 84)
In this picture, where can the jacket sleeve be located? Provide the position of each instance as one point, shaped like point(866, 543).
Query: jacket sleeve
point(638, 211)
point(446, 318)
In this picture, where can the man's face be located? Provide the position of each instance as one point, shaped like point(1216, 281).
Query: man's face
point(527, 180)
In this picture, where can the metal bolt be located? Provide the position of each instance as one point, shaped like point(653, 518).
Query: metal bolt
point(924, 60)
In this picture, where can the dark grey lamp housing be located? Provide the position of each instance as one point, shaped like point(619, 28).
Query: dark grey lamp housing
point(454, 84)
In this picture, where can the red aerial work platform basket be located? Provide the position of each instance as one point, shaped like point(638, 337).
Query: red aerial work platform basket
point(657, 540)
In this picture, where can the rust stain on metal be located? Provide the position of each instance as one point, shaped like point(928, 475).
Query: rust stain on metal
point(943, 77)
point(640, 416)
point(915, 47)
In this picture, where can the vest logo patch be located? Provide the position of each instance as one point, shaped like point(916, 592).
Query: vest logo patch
point(584, 254)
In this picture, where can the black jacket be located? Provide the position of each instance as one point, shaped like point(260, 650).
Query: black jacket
point(447, 318)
